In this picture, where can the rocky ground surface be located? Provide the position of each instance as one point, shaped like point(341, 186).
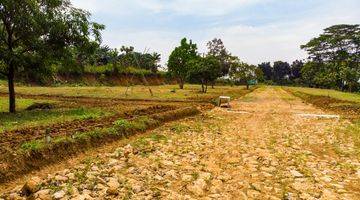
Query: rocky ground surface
point(260, 149)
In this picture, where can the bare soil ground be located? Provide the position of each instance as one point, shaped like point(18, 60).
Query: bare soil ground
point(260, 149)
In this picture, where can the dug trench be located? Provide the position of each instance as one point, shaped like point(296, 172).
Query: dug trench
point(22, 162)
point(11, 140)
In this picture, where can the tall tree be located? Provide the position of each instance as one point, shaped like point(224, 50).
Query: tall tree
point(267, 70)
point(243, 72)
point(281, 72)
point(177, 64)
point(338, 49)
point(41, 32)
point(217, 49)
point(317, 74)
point(259, 75)
point(205, 69)
point(296, 67)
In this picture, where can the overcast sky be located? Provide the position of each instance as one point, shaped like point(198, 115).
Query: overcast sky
point(254, 30)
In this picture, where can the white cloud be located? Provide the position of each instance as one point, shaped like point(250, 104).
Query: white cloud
point(207, 7)
point(275, 40)
point(176, 7)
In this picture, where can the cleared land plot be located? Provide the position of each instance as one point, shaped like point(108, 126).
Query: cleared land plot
point(269, 153)
point(87, 113)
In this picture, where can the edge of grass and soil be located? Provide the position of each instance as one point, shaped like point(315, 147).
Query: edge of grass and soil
point(163, 93)
point(347, 105)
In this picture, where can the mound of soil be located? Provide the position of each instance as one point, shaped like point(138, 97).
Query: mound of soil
point(41, 106)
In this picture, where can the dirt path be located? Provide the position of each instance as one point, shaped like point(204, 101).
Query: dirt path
point(261, 149)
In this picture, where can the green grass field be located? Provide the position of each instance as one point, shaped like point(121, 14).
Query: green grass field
point(21, 104)
point(345, 96)
point(34, 118)
point(134, 92)
point(24, 118)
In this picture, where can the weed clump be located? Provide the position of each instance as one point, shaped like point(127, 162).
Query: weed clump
point(33, 145)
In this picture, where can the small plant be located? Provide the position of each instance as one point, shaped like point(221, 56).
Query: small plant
point(54, 187)
point(97, 133)
point(69, 188)
point(33, 145)
point(158, 137)
point(179, 128)
point(122, 124)
point(195, 175)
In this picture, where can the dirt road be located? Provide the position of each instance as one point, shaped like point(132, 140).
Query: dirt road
point(260, 149)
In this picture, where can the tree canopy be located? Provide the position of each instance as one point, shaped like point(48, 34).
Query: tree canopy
point(281, 72)
point(205, 69)
point(267, 70)
point(336, 55)
point(36, 33)
point(177, 63)
point(243, 72)
point(217, 49)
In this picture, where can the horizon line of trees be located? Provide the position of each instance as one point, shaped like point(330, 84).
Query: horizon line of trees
point(333, 63)
point(186, 64)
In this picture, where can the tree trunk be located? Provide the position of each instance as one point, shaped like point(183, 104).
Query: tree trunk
point(11, 86)
point(247, 86)
point(181, 84)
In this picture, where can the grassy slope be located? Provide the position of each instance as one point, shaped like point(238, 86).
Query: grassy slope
point(25, 119)
point(135, 92)
point(21, 104)
point(345, 96)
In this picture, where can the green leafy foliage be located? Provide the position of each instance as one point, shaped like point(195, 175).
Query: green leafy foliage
point(37, 34)
point(33, 145)
point(335, 58)
point(282, 72)
point(177, 63)
point(243, 73)
point(205, 70)
point(217, 49)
